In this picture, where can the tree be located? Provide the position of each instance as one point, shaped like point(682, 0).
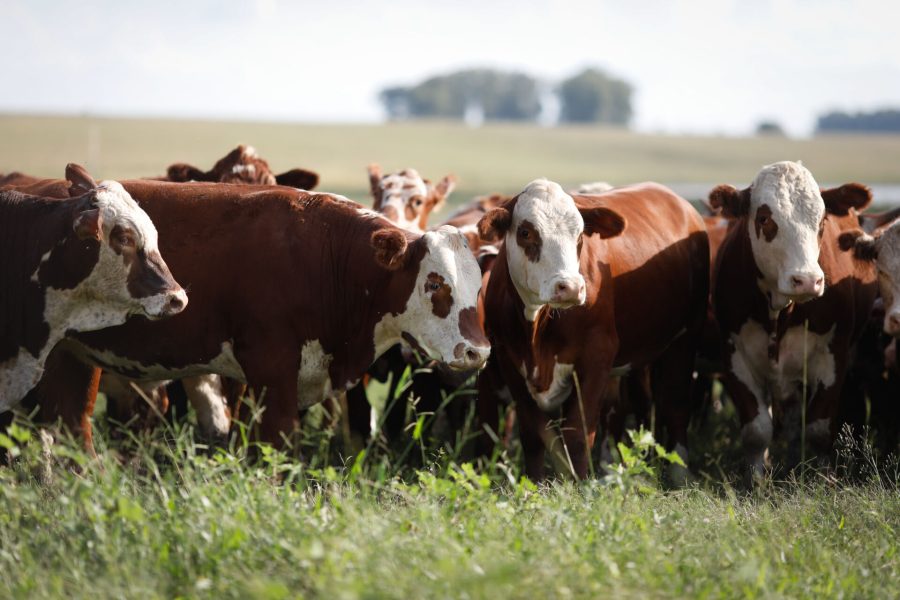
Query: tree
point(592, 96)
point(770, 128)
point(498, 95)
point(880, 121)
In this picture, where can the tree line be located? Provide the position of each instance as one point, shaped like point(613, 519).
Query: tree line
point(882, 121)
point(591, 96)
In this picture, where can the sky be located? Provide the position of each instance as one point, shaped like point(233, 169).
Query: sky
point(697, 66)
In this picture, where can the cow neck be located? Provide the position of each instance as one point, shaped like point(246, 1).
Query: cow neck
point(35, 236)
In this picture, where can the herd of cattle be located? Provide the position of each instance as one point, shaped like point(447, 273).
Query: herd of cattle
point(580, 310)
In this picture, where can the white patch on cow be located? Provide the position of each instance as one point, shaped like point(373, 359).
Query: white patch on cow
point(792, 194)
point(207, 396)
point(553, 214)
point(397, 189)
point(595, 187)
point(18, 375)
point(313, 379)
point(781, 380)
point(240, 169)
point(249, 152)
point(887, 245)
point(819, 432)
point(448, 257)
point(559, 389)
point(620, 371)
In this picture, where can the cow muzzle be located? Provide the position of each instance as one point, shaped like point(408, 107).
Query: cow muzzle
point(567, 291)
point(167, 304)
point(468, 357)
point(803, 286)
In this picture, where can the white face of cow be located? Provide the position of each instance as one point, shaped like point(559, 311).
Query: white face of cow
point(542, 248)
point(884, 250)
point(785, 217)
point(441, 315)
point(403, 198)
point(130, 271)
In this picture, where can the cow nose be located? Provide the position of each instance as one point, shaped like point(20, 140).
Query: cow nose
point(568, 291)
point(471, 357)
point(175, 302)
point(806, 284)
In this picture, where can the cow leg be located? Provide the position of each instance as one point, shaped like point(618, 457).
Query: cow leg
point(756, 423)
point(207, 396)
point(488, 402)
point(532, 427)
point(67, 392)
point(271, 363)
point(672, 377)
point(579, 433)
point(359, 411)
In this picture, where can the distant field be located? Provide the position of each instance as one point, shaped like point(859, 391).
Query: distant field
point(491, 158)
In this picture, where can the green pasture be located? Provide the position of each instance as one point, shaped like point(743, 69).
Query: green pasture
point(497, 157)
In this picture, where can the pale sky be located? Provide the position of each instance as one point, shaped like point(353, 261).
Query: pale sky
point(698, 66)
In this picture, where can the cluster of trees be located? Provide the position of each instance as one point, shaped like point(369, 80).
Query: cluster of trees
point(861, 122)
point(591, 96)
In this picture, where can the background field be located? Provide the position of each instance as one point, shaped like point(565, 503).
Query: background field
point(492, 158)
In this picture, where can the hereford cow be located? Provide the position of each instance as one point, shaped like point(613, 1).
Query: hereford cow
point(588, 287)
point(875, 371)
point(242, 165)
point(405, 198)
point(73, 265)
point(294, 293)
point(779, 268)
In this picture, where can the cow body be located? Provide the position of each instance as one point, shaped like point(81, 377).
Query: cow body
point(789, 309)
point(642, 302)
point(289, 296)
point(73, 265)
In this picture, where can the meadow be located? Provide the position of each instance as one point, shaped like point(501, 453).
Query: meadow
point(161, 515)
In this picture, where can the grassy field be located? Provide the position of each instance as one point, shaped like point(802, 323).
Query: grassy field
point(161, 516)
point(492, 158)
point(172, 520)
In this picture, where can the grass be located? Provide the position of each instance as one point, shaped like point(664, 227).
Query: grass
point(162, 516)
point(497, 157)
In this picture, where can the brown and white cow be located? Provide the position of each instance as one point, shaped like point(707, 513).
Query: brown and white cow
point(73, 265)
point(405, 198)
point(779, 268)
point(294, 293)
point(875, 372)
point(242, 165)
point(591, 286)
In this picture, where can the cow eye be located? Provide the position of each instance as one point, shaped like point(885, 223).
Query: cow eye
point(434, 286)
point(523, 233)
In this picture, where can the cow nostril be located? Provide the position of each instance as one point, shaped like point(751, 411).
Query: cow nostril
point(176, 303)
point(819, 282)
point(797, 281)
point(471, 355)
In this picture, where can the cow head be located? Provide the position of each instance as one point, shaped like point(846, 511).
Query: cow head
point(129, 271)
point(405, 198)
point(785, 213)
point(440, 318)
point(243, 165)
point(542, 229)
point(883, 249)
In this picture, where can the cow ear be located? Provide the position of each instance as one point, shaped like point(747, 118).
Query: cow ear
point(81, 180)
point(731, 202)
point(181, 173)
point(864, 246)
point(602, 221)
point(89, 225)
point(497, 221)
point(839, 201)
point(298, 178)
point(375, 184)
point(443, 189)
point(390, 248)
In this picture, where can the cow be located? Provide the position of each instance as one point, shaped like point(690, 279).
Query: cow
point(875, 371)
point(584, 288)
point(73, 265)
point(789, 304)
point(294, 293)
point(242, 165)
point(405, 198)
